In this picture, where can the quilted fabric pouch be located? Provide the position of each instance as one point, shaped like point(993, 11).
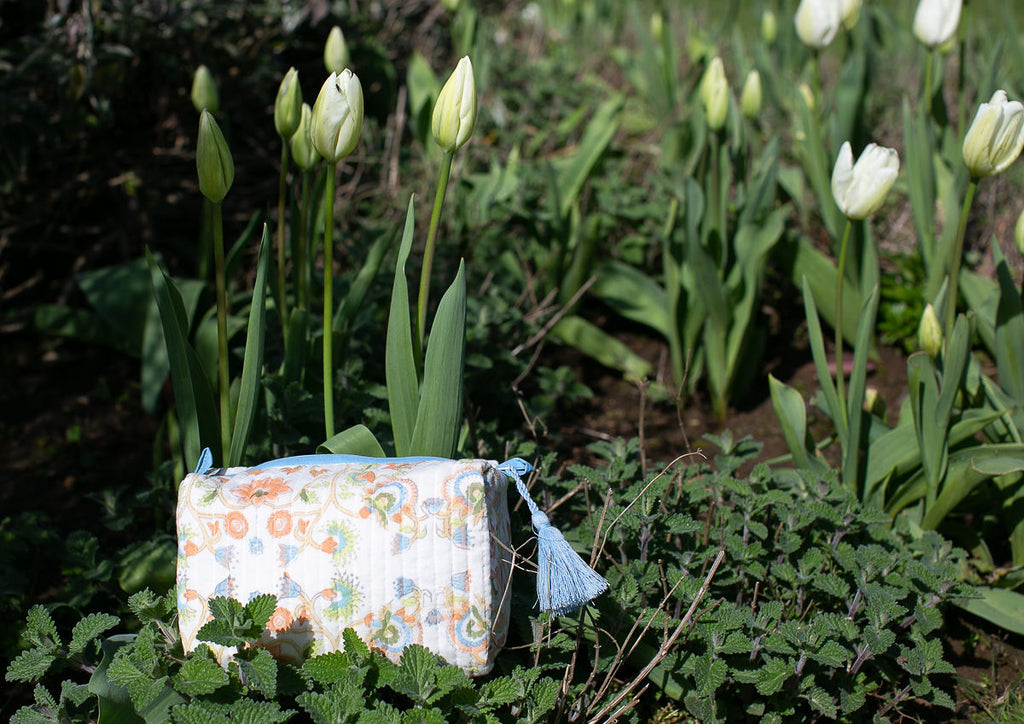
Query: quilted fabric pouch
point(402, 550)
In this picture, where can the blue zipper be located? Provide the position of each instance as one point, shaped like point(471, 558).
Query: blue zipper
point(514, 468)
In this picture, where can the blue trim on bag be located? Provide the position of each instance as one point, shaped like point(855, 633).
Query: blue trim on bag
point(332, 459)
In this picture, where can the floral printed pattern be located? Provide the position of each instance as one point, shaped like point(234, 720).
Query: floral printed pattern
point(403, 551)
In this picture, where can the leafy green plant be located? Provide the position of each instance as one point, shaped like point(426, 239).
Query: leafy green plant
point(145, 676)
point(774, 597)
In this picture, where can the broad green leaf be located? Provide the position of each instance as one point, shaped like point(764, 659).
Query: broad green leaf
point(367, 274)
point(792, 415)
point(573, 173)
point(997, 605)
point(1009, 337)
point(855, 391)
point(399, 359)
point(818, 165)
point(633, 294)
point(966, 469)
point(193, 397)
point(825, 381)
point(252, 363)
point(594, 342)
point(439, 415)
point(918, 140)
point(356, 440)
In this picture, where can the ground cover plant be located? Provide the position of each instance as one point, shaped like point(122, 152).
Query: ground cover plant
point(718, 192)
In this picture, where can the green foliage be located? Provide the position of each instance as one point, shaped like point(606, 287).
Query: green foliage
point(820, 608)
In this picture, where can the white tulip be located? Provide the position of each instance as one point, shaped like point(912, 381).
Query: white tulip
point(860, 189)
point(818, 21)
point(850, 12)
point(995, 137)
point(337, 118)
point(454, 114)
point(936, 20)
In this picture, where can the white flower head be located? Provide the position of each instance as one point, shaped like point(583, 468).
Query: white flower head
point(860, 188)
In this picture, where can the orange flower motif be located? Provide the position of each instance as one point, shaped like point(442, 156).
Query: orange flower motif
point(280, 620)
point(329, 594)
point(302, 526)
point(262, 491)
point(236, 525)
point(191, 594)
point(214, 528)
point(191, 548)
point(329, 545)
point(280, 523)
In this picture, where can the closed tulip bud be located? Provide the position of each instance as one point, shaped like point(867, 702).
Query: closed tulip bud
point(454, 114)
point(860, 189)
point(337, 117)
point(213, 159)
point(336, 51)
point(818, 21)
point(769, 27)
point(657, 27)
point(303, 152)
point(204, 91)
point(995, 137)
point(873, 402)
point(750, 98)
point(929, 333)
point(714, 75)
point(1018, 234)
point(850, 11)
point(935, 21)
point(288, 105)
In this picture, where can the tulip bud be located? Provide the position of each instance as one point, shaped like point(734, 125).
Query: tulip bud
point(850, 11)
point(714, 75)
point(860, 189)
point(337, 117)
point(1018, 234)
point(750, 98)
point(336, 51)
point(935, 21)
point(818, 21)
point(454, 114)
point(657, 27)
point(929, 333)
point(288, 105)
point(204, 91)
point(808, 95)
point(769, 27)
point(995, 137)
point(873, 402)
point(213, 159)
point(303, 152)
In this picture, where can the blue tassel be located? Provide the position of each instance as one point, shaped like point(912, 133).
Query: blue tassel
point(564, 580)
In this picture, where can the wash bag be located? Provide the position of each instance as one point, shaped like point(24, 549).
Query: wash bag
point(402, 550)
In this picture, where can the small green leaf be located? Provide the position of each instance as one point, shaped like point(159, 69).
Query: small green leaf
point(772, 676)
point(89, 628)
point(259, 669)
point(260, 609)
point(30, 665)
point(199, 676)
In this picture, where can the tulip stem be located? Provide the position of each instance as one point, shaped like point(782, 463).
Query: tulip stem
point(428, 260)
point(282, 192)
point(958, 250)
point(302, 289)
point(332, 169)
point(840, 278)
point(224, 383)
point(928, 69)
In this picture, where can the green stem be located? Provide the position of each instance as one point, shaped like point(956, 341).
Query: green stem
point(714, 202)
point(204, 240)
point(428, 260)
point(302, 288)
point(958, 250)
point(282, 191)
point(332, 169)
point(222, 328)
point(840, 277)
point(816, 84)
point(929, 63)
